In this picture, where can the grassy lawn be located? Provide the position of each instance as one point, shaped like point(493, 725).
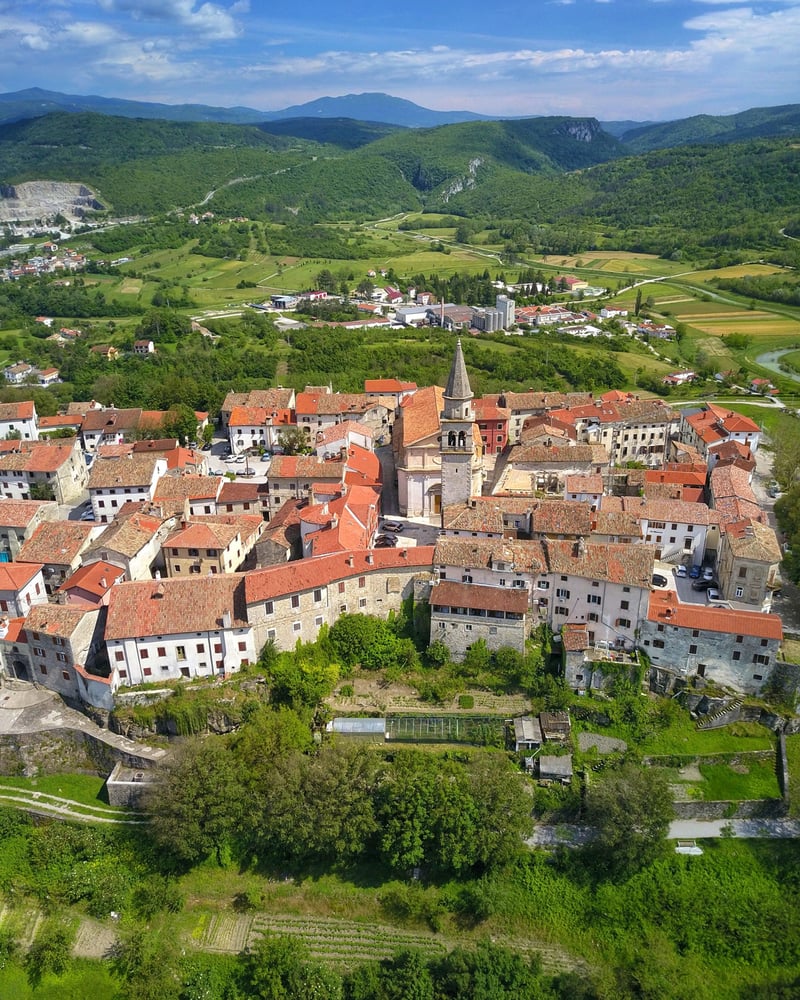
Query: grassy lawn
point(86, 788)
point(83, 979)
point(752, 780)
point(683, 738)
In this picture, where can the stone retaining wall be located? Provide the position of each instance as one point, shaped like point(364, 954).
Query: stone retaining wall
point(762, 808)
point(57, 751)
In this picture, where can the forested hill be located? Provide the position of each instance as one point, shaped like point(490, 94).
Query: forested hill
point(757, 123)
point(561, 172)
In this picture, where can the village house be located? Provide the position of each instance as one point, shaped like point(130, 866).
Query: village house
point(133, 541)
point(58, 547)
point(56, 468)
point(187, 494)
point(21, 586)
point(732, 648)
point(161, 630)
point(274, 401)
point(293, 476)
point(293, 601)
point(348, 521)
point(748, 564)
point(523, 405)
point(236, 497)
point(144, 347)
point(712, 425)
point(492, 420)
point(317, 408)
point(538, 468)
point(115, 482)
point(91, 585)
point(19, 519)
point(19, 420)
point(205, 546)
point(53, 648)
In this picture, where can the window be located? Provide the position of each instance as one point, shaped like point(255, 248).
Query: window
point(162, 650)
point(564, 578)
point(740, 638)
point(595, 583)
point(200, 648)
point(61, 657)
point(758, 677)
point(561, 611)
point(362, 581)
point(737, 654)
point(119, 656)
point(624, 605)
point(38, 651)
point(758, 658)
point(739, 591)
point(763, 642)
point(271, 633)
point(742, 573)
point(177, 569)
point(695, 633)
point(144, 654)
point(43, 669)
point(626, 590)
point(180, 652)
point(147, 671)
point(269, 608)
point(674, 527)
point(658, 643)
point(362, 602)
point(317, 596)
point(563, 593)
point(594, 599)
point(623, 622)
point(296, 626)
point(295, 600)
point(543, 585)
point(318, 621)
point(242, 647)
point(593, 616)
point(217, 647)
point(693, 648)
point(192, 552)
point(65, 674)
point(341, 586)
point(343, 609)
point(468, 628)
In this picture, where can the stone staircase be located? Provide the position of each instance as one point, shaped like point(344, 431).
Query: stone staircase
point(730, 713)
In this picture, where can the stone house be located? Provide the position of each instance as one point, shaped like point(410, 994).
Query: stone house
point(18, 521)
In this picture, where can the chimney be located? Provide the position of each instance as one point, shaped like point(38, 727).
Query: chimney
point(404, 553)
point(370, 558)
point(350, 561)
point(226, 619)
point(103, 582)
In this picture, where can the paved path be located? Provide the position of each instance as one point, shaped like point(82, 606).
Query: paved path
point(53, 805)
point(28, 709)
point(569, 835)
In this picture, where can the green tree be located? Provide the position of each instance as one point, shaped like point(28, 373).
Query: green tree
point(294, 441)
point(51, 951)
point(181, 422)
point(785, 441)
point(631, 809)
point(196, 802)
point(279, 968)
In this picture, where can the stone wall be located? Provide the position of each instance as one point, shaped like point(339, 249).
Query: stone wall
point(57, 751)
point(761, 808)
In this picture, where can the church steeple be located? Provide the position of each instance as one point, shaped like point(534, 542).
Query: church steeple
point(458, 387)
point(457, 447)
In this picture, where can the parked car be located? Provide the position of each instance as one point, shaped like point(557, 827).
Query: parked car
point(240, 459)
point(393, 526)
point(703, 584)
point(87, 515)
point(695, 572)
point(712, 594)
point(385, 542)
point(708, 573)
point(659, 580)
point(680, 571)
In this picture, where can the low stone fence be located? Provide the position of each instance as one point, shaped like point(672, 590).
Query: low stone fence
point(56, 751)
point(748, 809)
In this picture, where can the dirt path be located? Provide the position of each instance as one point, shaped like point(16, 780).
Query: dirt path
point(53, 805)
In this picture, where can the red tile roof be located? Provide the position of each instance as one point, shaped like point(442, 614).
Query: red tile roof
point(465, 595)
point(665, 608)
point(309, 574)
point(184, 604)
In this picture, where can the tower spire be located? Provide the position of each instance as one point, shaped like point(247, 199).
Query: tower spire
point(458, 387)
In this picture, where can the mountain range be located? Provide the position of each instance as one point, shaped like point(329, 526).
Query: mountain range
point(381, 113)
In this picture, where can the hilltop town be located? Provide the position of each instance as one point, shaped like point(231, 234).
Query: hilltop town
point(629, 529)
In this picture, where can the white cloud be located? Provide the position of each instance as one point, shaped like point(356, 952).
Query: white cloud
point(207, 20)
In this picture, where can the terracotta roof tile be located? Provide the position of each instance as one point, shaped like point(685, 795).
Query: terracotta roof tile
point(664, 607)
point(183, 604)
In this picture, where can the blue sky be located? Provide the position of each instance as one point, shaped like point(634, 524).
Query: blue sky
point(613, 59)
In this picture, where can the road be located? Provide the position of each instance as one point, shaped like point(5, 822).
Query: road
point(568, 835)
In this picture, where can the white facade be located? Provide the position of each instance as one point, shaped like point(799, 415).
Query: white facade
point(182, 655)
